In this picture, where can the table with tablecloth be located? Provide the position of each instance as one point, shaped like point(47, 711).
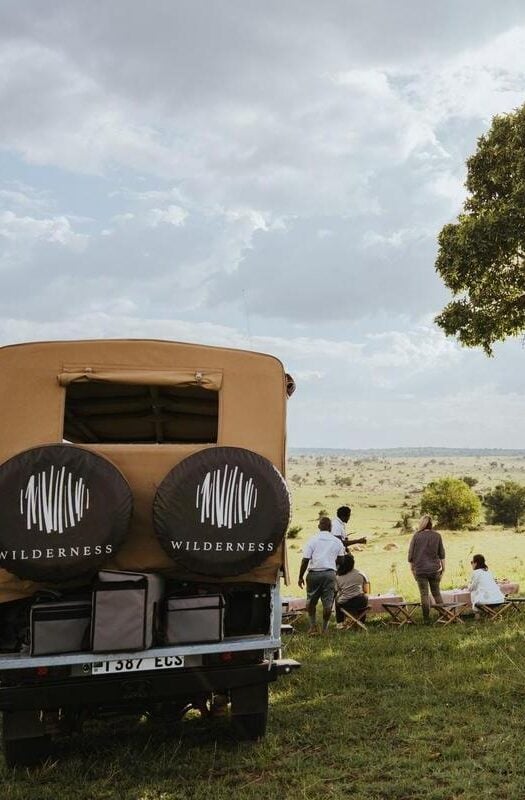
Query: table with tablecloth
point(375, 603)
point(296, 604)
point(463, 595)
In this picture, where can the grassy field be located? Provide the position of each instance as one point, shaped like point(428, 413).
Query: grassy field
point(434, 713)
point(390, 715)
point(381, 491)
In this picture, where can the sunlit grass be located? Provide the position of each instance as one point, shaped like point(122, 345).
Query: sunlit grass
point(377, 507)
point(434, 713)
point(392, 715)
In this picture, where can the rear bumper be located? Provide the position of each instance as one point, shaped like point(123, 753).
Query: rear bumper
point(141, 688)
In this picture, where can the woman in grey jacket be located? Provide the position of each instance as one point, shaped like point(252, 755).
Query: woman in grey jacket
point(426, 556)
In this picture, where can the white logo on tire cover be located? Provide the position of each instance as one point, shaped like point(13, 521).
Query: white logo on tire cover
point(226, 497)
point(53, 500)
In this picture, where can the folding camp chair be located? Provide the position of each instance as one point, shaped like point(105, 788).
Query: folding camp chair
point(516, 603)
point(401, 613)
point(450, 612)
point(493, 611)
point(289, 616)
point(354, 621)
point(292, 616)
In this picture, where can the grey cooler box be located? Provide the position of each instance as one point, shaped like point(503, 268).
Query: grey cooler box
point(60, 627)
point(197, 619)
point(126, 606)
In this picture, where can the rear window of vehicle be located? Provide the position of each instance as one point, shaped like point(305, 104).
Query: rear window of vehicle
point(121, 413)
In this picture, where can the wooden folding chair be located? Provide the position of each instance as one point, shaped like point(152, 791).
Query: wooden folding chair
point(516, 603)
point(290, 616)
point(354, 621)
point(493, 611)
point(401, 613)
point(449, 612)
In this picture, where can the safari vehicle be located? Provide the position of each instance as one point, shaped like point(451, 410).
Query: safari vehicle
point(142, 521)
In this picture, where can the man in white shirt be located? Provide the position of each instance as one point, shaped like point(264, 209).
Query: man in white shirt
point(320, 556)
point(339, 527)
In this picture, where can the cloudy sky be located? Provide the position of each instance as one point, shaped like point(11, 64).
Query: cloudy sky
point(269, 176)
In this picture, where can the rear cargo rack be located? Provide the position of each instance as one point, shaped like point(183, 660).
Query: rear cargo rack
point(233, 645)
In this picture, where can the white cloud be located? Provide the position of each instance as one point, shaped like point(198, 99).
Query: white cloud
point(58, 114)
point(476, 83)
point(290, 164)
point(395, 239)
point(30, 230)
point(451, 187)
point(350, 393)
point(20, 196)
point(122, 219)
point(305, 375)
point(311, 359)
point(172, 215)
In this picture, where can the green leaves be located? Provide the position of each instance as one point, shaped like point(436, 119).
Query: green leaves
point(481, 257)
point(506, 504)
point(454, 503)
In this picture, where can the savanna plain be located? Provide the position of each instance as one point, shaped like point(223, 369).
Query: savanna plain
point(422, 712)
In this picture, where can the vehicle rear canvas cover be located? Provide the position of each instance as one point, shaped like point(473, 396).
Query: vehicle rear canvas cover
point(65, 392)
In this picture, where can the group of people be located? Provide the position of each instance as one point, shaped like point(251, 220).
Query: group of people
point(426, 556)
point(331, 573)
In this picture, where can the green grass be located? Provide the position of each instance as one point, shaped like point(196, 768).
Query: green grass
point(382, 489)
point(434, 713)
point(392, 715)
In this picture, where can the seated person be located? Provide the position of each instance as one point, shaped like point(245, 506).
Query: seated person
point(483, 588)
point(351, 588)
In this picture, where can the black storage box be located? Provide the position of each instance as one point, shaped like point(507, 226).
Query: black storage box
point(247, 611)
point(194, 620)
point(60, 627)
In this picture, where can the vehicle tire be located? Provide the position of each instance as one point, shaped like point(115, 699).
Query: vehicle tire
point(23, 750)
point(250, 727)
point(221, 511)
point(249, 708)
point(64, 511)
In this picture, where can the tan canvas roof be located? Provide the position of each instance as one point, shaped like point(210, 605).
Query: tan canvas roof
point(251, 413)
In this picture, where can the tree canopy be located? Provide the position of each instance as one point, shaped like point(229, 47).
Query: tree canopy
point(453, 503)
point(506, 504)
point(481, 257)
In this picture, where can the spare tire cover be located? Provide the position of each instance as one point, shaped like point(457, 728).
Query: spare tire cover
point(221, 512)
point(63, 512)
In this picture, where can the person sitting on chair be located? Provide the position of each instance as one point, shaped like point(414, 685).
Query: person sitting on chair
point(351, 590)
point(483, 588)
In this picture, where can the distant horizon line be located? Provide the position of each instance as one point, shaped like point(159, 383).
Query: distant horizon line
point(426, 450)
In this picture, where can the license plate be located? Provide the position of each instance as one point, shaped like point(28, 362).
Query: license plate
point(126, 665)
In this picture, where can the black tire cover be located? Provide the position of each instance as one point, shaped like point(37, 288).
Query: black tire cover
point(63, 512)
point(221, 511)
